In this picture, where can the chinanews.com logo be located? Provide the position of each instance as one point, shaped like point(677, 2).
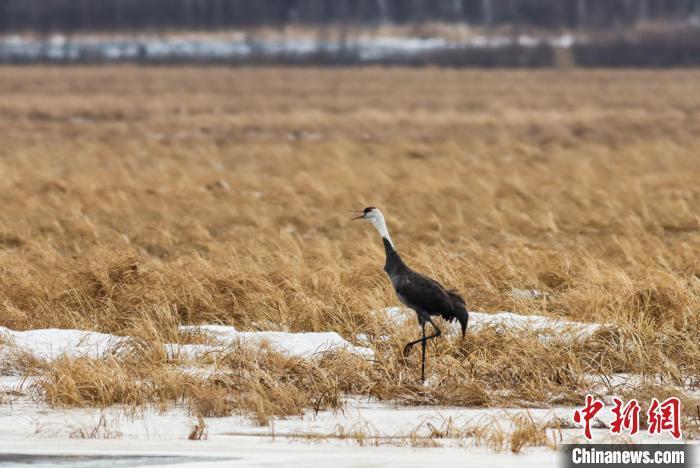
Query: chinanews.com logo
point(627, 417)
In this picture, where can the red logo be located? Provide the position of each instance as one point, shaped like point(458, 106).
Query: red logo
point(625, 418)
point(665, 416)
point(587, 413)
point(661, 417)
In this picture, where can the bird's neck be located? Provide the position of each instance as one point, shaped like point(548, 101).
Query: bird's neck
point(393, 259)
point(380, 225)
point(393, 263)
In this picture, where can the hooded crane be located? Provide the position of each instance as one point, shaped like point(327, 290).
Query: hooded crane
point(424, 295)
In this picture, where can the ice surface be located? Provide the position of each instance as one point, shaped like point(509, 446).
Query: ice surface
point(345, 438)
point(364, 433)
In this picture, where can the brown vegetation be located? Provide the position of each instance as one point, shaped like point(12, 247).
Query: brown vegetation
point(135, 200)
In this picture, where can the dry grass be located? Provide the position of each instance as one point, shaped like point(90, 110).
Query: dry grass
point(98, 430)
point(501, 432)
point(527, 433)
point(243, 380)
point(198, 431)
point(136, 200)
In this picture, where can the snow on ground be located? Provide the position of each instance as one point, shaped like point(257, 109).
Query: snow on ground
point(49, 344)
point(255, 452)
point(237, 46)
point(293, 344)
point(527, 293)
point(538, 323)
point(531, 322)
point(365, 433)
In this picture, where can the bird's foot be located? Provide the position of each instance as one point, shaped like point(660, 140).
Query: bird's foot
point(407, 350)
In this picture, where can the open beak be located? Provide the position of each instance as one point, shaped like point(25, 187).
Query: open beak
point(359, 217)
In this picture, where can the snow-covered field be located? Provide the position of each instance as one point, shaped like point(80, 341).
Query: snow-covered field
point(51, 343)
point(537, 323)
point(364, 433)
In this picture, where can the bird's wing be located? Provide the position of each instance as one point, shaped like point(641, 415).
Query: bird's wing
point(423, 293)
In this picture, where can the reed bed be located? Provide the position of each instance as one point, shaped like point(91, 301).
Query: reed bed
point(135, 200)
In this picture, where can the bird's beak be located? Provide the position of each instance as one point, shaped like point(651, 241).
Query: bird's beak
point(359, 217)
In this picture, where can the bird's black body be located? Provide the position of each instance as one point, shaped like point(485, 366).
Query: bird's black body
point(422, 294)
point(425, 296)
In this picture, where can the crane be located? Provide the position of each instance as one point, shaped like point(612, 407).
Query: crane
point(424, 295)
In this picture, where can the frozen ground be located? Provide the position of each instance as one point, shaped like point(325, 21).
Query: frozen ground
point(51, 343)
point(253, 452)
point(330, 438)
point(364, 433)
point(544, 326)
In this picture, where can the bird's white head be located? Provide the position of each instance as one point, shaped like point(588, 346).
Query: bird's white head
point(374, 216)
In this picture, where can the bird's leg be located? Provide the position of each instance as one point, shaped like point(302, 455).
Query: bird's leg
point(407, 348)
point(437, 331)
point(422, 359)
point(423, 341)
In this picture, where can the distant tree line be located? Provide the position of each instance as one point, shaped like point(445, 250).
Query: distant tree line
point(131, 15)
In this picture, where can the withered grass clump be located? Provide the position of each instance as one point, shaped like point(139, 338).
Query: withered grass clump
point(265, 383)
point(244, 380)
point(99, 430)
point(198, 430)
point(90, 383)
point(527, 433)
point(103, 382)
point(136, 200)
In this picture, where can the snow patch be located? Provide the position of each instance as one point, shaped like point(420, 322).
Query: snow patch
point(531, 322)
point(292, 344)
point(49, 344)
point(539, 323)
point(527, 293)
point(28, 427)
point(236, 46)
